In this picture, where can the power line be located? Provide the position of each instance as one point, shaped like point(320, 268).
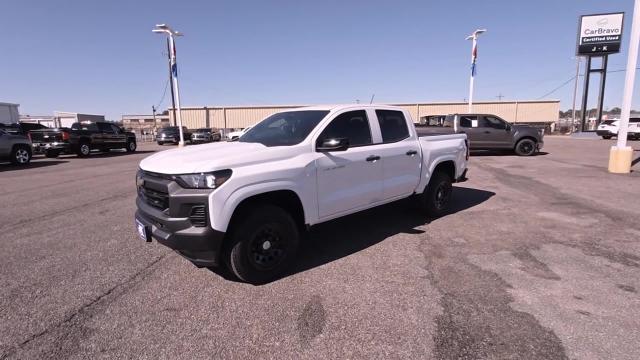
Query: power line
point(164, 93)
point(572, 78)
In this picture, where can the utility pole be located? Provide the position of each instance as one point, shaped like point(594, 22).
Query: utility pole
point(620, 155)
point(575, 94)
point(474, 56)
point(163, 28)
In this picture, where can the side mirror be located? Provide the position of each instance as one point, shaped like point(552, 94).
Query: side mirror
point(508, 127)
point(333, 144)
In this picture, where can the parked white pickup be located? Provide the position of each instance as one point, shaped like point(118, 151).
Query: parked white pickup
point(244, 204)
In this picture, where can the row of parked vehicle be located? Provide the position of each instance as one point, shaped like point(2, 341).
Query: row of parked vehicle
point(19, 142)
point(171, 135)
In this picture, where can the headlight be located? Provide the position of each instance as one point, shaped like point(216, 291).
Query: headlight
point(139, 179)
point(211, 180)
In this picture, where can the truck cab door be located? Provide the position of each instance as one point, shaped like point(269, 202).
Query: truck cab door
point(401, 157)
point(499, 133)
point(349, 179)
point(119, 137)
point(472, 125)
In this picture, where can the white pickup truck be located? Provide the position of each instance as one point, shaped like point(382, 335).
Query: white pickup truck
point(244, 204)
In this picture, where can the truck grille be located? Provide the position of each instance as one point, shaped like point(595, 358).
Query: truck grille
point(198, 216)
point(157, 199)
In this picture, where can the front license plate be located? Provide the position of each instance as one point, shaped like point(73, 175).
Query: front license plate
point(142, 231)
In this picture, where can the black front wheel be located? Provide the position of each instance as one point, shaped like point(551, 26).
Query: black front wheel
point(526, 147)
point(264, 244)
point(20, 155)
point(606, 137)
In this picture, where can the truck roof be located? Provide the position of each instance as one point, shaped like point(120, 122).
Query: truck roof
point(338, 107)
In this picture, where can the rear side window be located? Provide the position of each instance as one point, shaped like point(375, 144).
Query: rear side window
point(393, 125)
point(81, 126)
point(468, 121)
point(353, 125)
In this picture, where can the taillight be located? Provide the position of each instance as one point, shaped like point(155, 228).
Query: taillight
point(29, 135)
point(65, 136)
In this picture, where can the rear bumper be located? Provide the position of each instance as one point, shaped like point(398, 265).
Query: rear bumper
point(41, 148)
point(175, 228)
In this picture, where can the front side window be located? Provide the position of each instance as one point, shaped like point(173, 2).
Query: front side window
point(393, 125)
point(353, 125)
point(285, 128)
point(495, 123)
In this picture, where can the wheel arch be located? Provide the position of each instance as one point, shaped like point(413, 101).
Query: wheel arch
point(286, 198)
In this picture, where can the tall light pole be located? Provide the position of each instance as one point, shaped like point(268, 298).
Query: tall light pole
point(474, 56)
point(163, 28)
point(620, 155)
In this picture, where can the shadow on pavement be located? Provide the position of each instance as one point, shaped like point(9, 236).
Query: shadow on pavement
point(339, 238)
point(32, 165)
point(105, 154)
point(476, 153)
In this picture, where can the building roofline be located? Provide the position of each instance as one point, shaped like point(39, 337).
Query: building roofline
point(220, 107)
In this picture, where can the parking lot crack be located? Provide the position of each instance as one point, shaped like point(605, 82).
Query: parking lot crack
point(76, 319)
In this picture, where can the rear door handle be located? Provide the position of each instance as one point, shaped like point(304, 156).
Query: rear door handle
point(411, 152)
point(487, 132)
point(373, 158)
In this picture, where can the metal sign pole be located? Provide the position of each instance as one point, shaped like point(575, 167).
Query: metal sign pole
point(585, 93)
point(603, 79)
point(620, 155)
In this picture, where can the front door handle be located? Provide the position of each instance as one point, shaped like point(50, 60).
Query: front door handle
point(411, 152)
point(373, 158)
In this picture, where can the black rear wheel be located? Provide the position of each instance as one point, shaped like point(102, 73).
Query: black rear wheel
point(84, 149)
point(526, 147)
point(436, 198)
point(264, 243)
point(52, 153)
point(606, 137)
point(131, 146)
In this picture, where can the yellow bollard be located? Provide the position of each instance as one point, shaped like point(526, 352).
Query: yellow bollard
point(620, 160)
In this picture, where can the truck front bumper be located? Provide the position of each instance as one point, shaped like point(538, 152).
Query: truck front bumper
point(176, 226)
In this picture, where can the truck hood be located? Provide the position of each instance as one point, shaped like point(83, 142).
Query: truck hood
point(211, 157)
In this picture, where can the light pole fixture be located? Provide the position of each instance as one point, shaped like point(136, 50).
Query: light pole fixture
point(474, 56)
point(164, 28)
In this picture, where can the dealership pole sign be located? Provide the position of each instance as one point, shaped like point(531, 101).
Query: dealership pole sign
point(600, 34)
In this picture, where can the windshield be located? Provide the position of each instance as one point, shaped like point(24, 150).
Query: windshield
point(168, 129)
point(284, 129)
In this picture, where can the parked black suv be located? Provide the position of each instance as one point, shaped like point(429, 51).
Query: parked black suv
point(81, 138)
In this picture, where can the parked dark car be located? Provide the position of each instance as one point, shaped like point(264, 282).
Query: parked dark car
point(21, 128)
point(82, 138)
point(15, 148)
point(171, 134)
point(205, 135)
point(489, 132)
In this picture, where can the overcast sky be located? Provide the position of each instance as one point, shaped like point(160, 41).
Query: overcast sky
point(101, 56)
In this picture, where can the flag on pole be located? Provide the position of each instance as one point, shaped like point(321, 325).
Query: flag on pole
point(174, 65)
point(474, 56)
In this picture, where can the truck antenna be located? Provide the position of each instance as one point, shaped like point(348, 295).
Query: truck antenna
point(372, 96)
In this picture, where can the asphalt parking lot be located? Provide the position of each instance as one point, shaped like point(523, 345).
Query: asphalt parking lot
point(539, 259)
